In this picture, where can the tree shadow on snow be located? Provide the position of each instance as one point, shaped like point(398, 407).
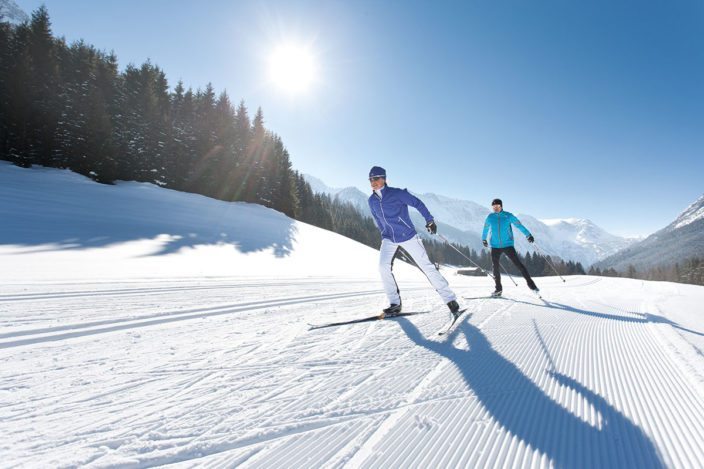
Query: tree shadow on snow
point(245, 227)
point(525, 411)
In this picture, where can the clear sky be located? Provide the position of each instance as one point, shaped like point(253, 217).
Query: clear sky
point(561, 108)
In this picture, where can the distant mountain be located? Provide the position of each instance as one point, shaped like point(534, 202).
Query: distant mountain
point(681, 239)
point(10, 12)
point(587, 234)
point(347, 194)
point(462, 221)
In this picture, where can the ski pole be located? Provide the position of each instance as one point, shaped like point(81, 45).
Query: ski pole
point(547, 258)
point(462, 254)
point(506, 272)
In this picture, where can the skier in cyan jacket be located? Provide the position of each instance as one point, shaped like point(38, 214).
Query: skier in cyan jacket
point(389, 207)
point(501, 242)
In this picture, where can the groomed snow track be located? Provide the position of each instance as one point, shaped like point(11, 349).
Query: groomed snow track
point(196, 373)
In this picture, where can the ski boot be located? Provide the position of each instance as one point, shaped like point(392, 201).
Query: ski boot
point(391, 311)
point(454, 308)
point(496, 294)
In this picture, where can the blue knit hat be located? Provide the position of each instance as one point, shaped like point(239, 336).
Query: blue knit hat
point(377, 171)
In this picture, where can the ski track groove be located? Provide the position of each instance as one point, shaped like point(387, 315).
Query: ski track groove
point(163, 318)
point(366, 451)
point(142, 291)
point(655, 360)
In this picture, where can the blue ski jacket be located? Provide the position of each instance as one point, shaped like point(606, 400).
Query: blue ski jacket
point(501, 232)
point(390, 212)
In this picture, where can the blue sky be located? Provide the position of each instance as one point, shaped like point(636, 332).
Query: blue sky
point(563, 109)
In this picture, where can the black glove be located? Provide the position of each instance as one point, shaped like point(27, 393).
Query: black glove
point(486, 245)
point(531, 239)
point(432, 227)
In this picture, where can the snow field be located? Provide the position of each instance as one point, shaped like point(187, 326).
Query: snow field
point(152, 374)
point(142, 327)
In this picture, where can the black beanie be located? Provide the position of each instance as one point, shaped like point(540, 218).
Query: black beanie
point(497, 201)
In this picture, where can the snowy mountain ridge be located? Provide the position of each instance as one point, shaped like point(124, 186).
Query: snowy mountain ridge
point(680, 240)
point(585, 232)
point(462, 221)
point(690, 215)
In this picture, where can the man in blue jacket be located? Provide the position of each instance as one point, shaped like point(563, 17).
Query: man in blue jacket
point(502, 242)
point(389, 207)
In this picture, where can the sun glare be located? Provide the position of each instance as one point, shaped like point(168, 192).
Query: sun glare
point(292, 68)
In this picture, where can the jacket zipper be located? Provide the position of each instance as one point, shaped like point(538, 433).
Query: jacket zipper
point(381, 207)
point(401, 220)
point(501, 243)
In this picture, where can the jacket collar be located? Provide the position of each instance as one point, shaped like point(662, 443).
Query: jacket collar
point(380, 192)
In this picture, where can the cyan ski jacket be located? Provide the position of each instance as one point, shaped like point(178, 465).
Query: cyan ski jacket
point(390, 212)
point(501, 232)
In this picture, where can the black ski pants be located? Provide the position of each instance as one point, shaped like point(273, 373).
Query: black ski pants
point(511, 254)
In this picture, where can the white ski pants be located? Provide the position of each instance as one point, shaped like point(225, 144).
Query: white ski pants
point(415, 248)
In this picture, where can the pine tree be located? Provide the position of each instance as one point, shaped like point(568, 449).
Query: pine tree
point(6, 38)
point(255, 182)
point(202, 177)
point(42, 85)
point(631, 271)
point(18, 98)
point(223, 158)
point(184, 136)
point(283, 195)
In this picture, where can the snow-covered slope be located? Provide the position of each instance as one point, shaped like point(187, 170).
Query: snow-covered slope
point(462, 221)
point(67, 225)
point(126, 342)
point(682, 239)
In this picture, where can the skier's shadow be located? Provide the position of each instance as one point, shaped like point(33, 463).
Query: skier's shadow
point(641, 317)
point(524, 410)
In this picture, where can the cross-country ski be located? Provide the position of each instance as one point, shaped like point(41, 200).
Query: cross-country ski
point(377, 317)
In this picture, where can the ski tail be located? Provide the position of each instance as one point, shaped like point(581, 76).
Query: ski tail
point(453, 322)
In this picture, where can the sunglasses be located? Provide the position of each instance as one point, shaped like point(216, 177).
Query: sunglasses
point(376, 178)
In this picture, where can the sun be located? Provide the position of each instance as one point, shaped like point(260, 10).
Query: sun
point(292, 68)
